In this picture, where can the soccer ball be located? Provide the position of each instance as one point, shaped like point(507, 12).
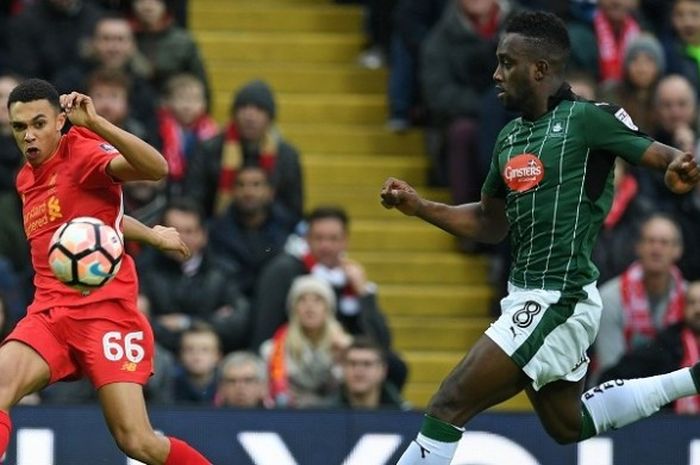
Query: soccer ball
point(85, 253)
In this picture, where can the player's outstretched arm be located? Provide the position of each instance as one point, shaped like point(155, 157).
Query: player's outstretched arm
point(483, 221)
point(681, 169)
point(161, 237)
point(138, 159)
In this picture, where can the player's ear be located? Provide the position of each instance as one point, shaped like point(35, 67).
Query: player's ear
point(542, 68)
point(60, 120)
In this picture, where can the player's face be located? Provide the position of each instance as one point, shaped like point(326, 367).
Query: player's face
point(514, 74)
point(659, 246)
point(188, 103)
point(363, 371)
point(113, 42)
point(240, 386)
point(36, 127)
point(253, 192)
point(252, 122)
point(327, 241)
point(643, 71)
point(692, 307)
point(311, 311)
point(686, 21)
point(199, 353)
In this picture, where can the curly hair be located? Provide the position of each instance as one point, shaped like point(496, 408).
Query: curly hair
point(546, 30)
point(31, 90)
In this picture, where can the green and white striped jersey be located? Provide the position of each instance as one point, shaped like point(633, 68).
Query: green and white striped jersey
point(555, 174)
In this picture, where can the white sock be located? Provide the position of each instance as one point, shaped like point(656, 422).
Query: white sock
point(617, 403)
point(426, 451)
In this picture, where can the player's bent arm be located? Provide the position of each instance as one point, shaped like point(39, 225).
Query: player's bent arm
point(138, 160)
point(681, 168)
point(483, 221)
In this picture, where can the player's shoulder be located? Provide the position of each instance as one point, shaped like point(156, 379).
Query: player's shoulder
point(82, 141)
point(608, 111)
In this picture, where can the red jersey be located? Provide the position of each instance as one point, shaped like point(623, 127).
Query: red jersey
point(72, 182)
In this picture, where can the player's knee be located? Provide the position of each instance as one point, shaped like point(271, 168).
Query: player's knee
point(564, 435)
point(133, 443)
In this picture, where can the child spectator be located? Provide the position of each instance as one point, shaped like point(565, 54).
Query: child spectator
point(183, 123)
point(200, 352)
point(302, 355)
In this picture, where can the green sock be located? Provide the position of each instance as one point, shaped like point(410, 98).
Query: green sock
point(439, 430)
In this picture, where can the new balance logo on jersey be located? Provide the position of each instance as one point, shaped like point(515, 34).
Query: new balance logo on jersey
point(523, 172)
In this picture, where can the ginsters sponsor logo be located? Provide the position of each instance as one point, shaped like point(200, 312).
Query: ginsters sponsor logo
point(523, 172)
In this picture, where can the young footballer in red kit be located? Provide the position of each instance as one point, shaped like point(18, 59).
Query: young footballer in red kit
point(68, 334)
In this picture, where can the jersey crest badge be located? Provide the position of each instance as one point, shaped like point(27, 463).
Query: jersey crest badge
point(557, 129)
point(107, 147)
point(523, 172)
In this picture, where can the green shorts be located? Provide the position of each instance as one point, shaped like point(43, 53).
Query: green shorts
point(547, 333)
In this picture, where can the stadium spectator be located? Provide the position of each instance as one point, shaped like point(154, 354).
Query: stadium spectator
point(683, 47)
point(49, 36)
point(145, 200)
point(364, 379)
point(457, 62)
point(242, 382)
point(647, 297)
point(183, 292)
point(10, 157)
point(599, 46)
point(325, 258)
point(675, 347)
point(643, 66)
point(196, 378)
point(303, 355)
point(169, 48)
point(686, 211)
point(249, 138)
point(112, 46)
point(183, 124)
point(253, 229)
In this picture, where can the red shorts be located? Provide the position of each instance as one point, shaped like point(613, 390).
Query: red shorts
point(108, 342)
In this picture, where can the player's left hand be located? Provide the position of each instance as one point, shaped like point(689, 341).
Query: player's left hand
point(79, 109)
point(169, 240)
point(682, 174)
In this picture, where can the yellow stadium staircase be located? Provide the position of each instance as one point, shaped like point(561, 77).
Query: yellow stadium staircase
point(436, 299)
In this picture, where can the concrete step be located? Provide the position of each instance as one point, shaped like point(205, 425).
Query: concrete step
point(430, 366)
point(275, 18)
point(419, 394)
point(369, 109)
point(407, 239)
point(436, 333)
point(221, 48)
point(360, 203)
point(442, 268)
point(294, 78)
point(435, 300)
point(338, 139)
point(364, 171)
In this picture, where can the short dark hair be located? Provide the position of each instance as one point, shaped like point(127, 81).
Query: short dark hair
point(187, 205)
point(546, 29)
point(34, 89)
point(366, 343)
point(328, 212)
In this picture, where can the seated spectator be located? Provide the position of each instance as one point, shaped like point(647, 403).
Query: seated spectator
point(583, 84)
point(675, 107)
point(683, 47)
point(112, 47)
point(303, 355)
point(50, 35)
point(686, 211)
point(183, 124)
point(10, 157)
point(242, 382)
point(600, 46)
point(364, 379)
point(646, 298)
point(182, 292)
point(169, 48)
point(358, 307)
point(109, 90)
point(16, 271)
point(253, 229)
point(196, 379)
point(145, 200)
point(456, 70)
point(675, 347)
point(6, 323)
point(643, 66)
point(249, 139)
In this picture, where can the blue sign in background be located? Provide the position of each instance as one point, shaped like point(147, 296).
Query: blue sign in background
point(324, 437)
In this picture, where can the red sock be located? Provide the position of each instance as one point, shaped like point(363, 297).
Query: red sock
point(5, 431)
point(182, 454)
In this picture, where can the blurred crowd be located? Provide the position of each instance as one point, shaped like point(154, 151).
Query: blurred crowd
point(269, 311)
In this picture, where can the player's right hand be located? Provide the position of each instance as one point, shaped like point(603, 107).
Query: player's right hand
point(79, 109)
point(399, 194)
point(169, 240)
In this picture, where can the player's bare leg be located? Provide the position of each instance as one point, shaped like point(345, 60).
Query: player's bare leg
point(22, 372)
point(124, 409)
point(485, 377)
point(558, 405)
